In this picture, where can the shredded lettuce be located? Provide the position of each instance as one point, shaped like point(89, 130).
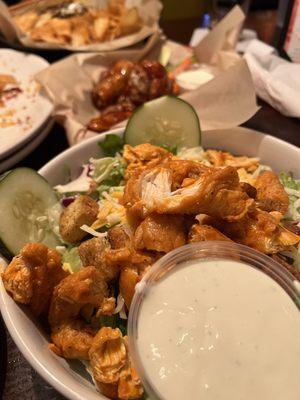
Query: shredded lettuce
point(292, 187)
point(71, 260)
point(193, 153)
point(108, 173)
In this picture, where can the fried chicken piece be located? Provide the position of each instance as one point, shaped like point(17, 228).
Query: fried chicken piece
point(161, 233)
point(72, 340)
point(185, 169)
point(92, 252)
point(203, 233)
point(107, 307)
point(84, 288)
point(111, 365)
point(216, 192)
point(143, 156)
point(128, 257)
point(221, 159)
point(249, 189)
point(32, 275)
point(112, 115)
point(112, 84)
point(129, 277)
point(261, 231)
point(83, 211)
point(271, 195)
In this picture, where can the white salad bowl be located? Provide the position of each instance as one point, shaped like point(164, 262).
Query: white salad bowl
point(68, 378)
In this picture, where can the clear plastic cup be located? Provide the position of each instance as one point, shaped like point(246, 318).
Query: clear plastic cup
point(202, 251)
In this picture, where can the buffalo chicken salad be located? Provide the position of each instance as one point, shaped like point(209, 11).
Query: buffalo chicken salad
point(84, 245)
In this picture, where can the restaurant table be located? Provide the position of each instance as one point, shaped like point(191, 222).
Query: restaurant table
point(22, 382)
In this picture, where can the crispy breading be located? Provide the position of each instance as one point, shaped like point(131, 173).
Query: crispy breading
point(143, 156)
point(216, 192)
point(260, 230)
point(161, 233)
point(107, 307)
point(111, 364)
point(72, 340)
point(271, 195)
point(203, 233)
point(32, 275)
point(86, 287)
point(129, 277)
point(92, 252)
point(185, 169)
point(83, 211)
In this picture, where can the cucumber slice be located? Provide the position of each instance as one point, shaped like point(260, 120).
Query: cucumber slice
point(167, 121)
point(29, 211)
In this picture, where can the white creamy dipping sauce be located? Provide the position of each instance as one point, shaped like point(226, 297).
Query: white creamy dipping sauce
point(220, 330)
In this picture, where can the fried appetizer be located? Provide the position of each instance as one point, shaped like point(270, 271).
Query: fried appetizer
point(112, 367)
point(31, 276)
point(271, 195)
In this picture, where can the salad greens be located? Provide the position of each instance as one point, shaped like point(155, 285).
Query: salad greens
point(292, 187)
point(111, 145)
point(108, 172)
point(71, 260)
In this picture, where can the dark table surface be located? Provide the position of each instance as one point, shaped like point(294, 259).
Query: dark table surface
point(21, 381)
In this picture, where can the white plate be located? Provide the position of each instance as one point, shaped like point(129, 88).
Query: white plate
point(27, 111)
point(30, 340)
point(17, 156)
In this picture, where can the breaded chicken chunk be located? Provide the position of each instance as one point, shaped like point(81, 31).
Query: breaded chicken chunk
point(271, 195)
point(216, 192)
point(72, 340)
point(261, 231)
point(32, 275)
point(161, 233)
point(84, 288)
point(112, 367)
point(143, 156)
point(83, 211)
point(203, 233)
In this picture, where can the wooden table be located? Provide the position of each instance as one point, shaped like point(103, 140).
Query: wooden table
point(266, 120)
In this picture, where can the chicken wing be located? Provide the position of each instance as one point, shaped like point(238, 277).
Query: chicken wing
point(161, 233)
point(271, 195)
point(32, 275)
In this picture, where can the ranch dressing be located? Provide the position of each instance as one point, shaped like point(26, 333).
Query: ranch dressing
point(220, 330)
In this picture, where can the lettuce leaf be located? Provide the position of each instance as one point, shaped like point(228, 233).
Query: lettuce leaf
point(111, 145)
point(71, 260)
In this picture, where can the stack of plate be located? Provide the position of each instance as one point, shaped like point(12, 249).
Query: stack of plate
point(25, 114)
